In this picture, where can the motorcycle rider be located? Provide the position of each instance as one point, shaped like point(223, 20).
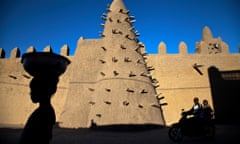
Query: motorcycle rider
point(193, 126)
point(196, 112)
point(196, 109)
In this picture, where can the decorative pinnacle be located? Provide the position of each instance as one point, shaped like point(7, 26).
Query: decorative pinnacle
point(207, 34)
point(117, 5)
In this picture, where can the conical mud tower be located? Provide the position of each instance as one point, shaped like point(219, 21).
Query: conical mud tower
point(114, 86)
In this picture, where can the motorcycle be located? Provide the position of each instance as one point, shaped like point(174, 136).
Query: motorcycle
point(191, 127)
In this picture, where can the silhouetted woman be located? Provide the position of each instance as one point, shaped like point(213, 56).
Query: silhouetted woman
point(38, 129)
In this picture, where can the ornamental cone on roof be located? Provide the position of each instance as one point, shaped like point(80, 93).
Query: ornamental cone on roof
point(115, 86)
point(207, 34)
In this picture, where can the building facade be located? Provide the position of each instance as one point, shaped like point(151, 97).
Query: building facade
point(113, 81)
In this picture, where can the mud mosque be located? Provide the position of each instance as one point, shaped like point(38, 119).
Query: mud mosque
point(113, 81)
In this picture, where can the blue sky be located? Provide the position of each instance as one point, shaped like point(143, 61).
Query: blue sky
point(39, 23)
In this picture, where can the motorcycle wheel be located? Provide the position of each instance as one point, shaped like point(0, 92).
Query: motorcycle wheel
point(175, 133)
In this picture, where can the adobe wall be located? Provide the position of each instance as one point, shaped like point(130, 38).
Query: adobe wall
point(106, 92)
point(15, 103)
point(180, 81)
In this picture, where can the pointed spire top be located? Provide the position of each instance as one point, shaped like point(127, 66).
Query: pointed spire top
point(65, 50)
point(31, 49)
point(162, 48)
point(182, 48)
point(117, 5)
point(2, 53)
point(207, 34)
point(48, 48)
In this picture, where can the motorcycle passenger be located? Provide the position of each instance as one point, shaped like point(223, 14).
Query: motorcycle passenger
point(207, 112)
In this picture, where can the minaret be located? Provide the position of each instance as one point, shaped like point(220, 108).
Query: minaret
point(207, 34)
point(114, 86)
point(211, 45)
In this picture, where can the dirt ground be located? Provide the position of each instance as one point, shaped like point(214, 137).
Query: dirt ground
point(225, 134)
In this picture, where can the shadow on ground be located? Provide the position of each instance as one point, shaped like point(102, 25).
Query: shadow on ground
point(121, 135)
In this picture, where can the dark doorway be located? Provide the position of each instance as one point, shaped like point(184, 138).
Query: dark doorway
point(225, 87)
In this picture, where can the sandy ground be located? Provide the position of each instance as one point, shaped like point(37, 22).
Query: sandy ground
point(225, 134)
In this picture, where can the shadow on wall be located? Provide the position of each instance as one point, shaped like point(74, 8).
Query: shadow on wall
point(225, 87)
